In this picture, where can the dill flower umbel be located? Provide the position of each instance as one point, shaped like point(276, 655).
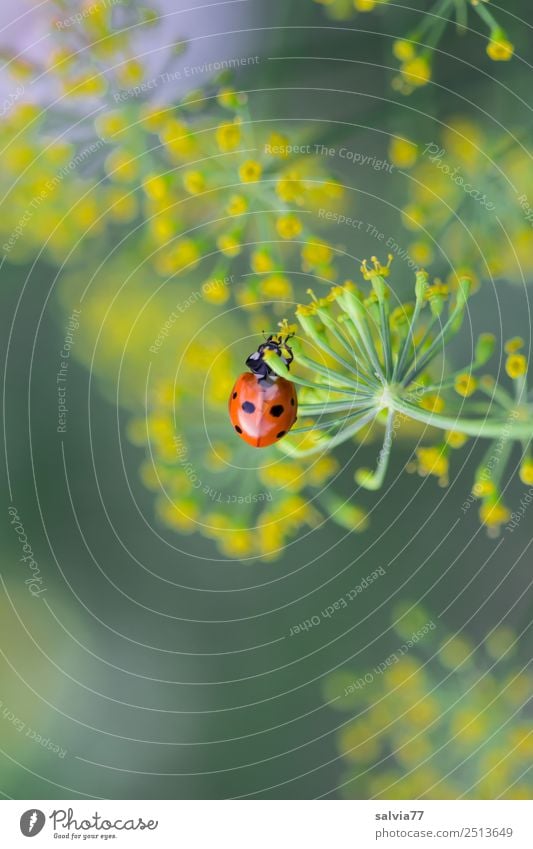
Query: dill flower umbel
point(363, 364)
point(439, 718)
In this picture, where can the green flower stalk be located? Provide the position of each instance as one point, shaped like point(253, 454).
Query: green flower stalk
point(365, 364)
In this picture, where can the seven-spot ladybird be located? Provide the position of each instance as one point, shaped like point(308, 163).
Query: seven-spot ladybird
point(262, 405)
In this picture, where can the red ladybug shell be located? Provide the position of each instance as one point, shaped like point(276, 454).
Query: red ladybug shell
point(262, 411)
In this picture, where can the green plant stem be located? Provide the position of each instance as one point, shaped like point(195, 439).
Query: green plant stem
point(325, 371)
point(327, 444)
point(333, 407)
point(440, 338)
point(487, 428)
point(402, 356)
point(374, 481)
point(487, 17)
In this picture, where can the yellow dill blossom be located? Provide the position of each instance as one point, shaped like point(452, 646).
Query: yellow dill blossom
point(493, 514)
point(315, 254)
point(403, 50)
point(455, 439)
point(155, 186)
point(286, 475)
point(85, 85)
point(277, 144)
point(228, 136)
point(261, 261)
point(276, 286)
point(516, 365)
point(177, 139)
point(512, 346)
point(421, 253)
point(499, 48)
point(122, 166)
point(215, 292)
point(153, 117)
point(229, 245)
point(432, 402)
point(433, 461)
point(237, 205)
point(412, 217)
point(110, 125)
point(183, 255)
point(182, 516)
point(322, 470)
point(417, 71)
point(289, 226)
point(250, 171)
point(403, 153)
point(130, 73)
point(231, 99)
point(162, 228)
point(193, 182)
point(483, 488)
point(526, 471)
point(291, 189)
point(465, 384)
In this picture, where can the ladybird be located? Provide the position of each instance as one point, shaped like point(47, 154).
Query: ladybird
point(262, 405)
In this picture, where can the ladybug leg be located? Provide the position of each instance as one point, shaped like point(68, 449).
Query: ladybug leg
point(263, 370)
point(288, 359)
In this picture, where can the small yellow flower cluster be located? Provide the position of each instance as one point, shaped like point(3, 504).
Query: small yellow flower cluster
point(415, 67)
point(499, 48)
point(469, 175)
point(444, 719)
point(205, 185)
point(49, 202)
point(266, 188)
point(52, 199)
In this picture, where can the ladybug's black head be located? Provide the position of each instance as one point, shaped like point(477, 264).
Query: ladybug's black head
point(256, 362)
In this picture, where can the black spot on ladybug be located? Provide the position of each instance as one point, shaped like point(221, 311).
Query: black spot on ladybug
point(276, 410)
point(248, 407)
point(238, 429)
point(281, 433)
point(234, 395)
point(292, 402)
